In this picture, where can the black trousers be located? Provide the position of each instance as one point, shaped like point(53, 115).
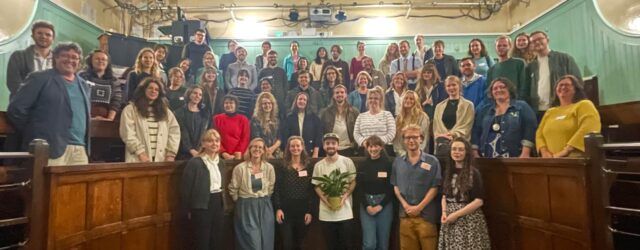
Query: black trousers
point(293, 230)
point(338, 234)
point(207, 224)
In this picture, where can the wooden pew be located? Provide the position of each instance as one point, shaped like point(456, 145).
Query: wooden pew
point(22, 199)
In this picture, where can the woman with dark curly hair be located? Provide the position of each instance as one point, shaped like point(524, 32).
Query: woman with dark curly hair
point(463, 222)
point(481, 58)
point(148, 128)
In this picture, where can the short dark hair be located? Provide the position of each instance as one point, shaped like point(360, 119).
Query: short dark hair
point(294, 41)
point(539, 32)
point(159, 47)
point(272, 52)
point(231, 41)
point(266, 42)
point(43, 24)
point(513, 94)
point(65, 46)
point(199, 30)
point(578, 85)
point(302, 72)
point(438, 42)
point(405, 41)
point(230, 97)
point(467, 58)
point(338, 47)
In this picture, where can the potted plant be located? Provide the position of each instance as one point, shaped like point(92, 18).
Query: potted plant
point(333, 186)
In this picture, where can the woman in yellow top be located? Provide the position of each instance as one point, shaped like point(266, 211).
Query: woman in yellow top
point(563, 127)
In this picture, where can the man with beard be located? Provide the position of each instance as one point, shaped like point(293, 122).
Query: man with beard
point(377, 77)
point(231, 75)
point(473, 84)
point(54, 105)
point(314, 103)
point(544, 72)
point(337, 223)
point(416, 177)
point(340, 118)
point(508, 67)
point(36, 57)
point(341, 65)
point(278, 79)
point(407, 63)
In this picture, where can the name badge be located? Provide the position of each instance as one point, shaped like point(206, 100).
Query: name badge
point(339, 69)
point(181, 98)
point(561, 117)
point(258, 176)
point(426, 166)
point(375, 77)
point(302, 173)
point(382, 174)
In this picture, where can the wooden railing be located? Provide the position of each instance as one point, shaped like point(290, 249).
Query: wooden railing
point(22, 198)
point(615, 177)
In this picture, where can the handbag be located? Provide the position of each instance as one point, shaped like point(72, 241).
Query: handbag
point(442, 147)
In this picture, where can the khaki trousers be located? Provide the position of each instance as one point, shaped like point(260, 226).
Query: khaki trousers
point(73, 155)
point(416, 233)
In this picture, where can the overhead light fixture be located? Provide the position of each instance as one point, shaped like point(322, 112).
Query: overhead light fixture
point(293, 15)
point(249, 28)
point(341, 16)
point(380, 27)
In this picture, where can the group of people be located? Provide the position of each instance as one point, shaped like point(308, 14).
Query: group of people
point(530, 102)
point(282, 197)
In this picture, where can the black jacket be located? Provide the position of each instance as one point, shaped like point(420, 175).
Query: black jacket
point(311, 130)
point(195, 183)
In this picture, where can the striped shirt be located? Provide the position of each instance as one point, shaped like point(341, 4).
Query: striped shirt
point(152, 125)
point(382, 124)
point(246, 101)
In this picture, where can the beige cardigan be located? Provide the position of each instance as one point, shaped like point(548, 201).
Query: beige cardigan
point(464, 119)
point(240, 185)
point(398, 142)
point(134, 131)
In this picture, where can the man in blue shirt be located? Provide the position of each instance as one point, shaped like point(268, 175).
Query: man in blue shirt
point(473, 84)
point(54, 105)
point(416, 178)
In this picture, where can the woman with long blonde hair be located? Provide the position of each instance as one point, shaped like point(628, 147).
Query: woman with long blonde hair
point(265, 123)
point(410, 113)
point(392, 53)
point(145, 66)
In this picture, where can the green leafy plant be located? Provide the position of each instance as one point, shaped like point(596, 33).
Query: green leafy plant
point(334, 184)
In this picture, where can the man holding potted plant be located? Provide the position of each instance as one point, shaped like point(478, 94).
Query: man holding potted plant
point(334, 178)
point(416, 178)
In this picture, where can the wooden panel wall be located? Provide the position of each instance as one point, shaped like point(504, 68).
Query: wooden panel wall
point(112, 206)
point(537, 204)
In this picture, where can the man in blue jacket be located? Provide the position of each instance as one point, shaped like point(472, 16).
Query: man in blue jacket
point(54, 105)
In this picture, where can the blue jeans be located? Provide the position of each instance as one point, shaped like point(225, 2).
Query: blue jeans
point(376, 229)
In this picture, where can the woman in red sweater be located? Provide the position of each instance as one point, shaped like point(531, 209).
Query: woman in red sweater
point(233, 128)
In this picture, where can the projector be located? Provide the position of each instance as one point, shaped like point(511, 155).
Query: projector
point(320, 14)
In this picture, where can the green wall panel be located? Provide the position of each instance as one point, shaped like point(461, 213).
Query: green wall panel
point(576, 28)
point(69, 27)
point(454, 45)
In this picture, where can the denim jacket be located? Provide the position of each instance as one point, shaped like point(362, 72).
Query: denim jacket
point(517, 126)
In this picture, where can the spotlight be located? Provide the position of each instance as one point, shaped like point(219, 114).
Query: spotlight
point(341, 16)
point(293, 15)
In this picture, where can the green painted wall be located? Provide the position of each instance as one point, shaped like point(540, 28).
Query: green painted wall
point(69, 27)
point(454, 45)
point(576, 28)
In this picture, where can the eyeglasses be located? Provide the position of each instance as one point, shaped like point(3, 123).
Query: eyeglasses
point(69, 57)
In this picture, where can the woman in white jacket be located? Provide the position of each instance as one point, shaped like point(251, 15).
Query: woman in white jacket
point(148, 128)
